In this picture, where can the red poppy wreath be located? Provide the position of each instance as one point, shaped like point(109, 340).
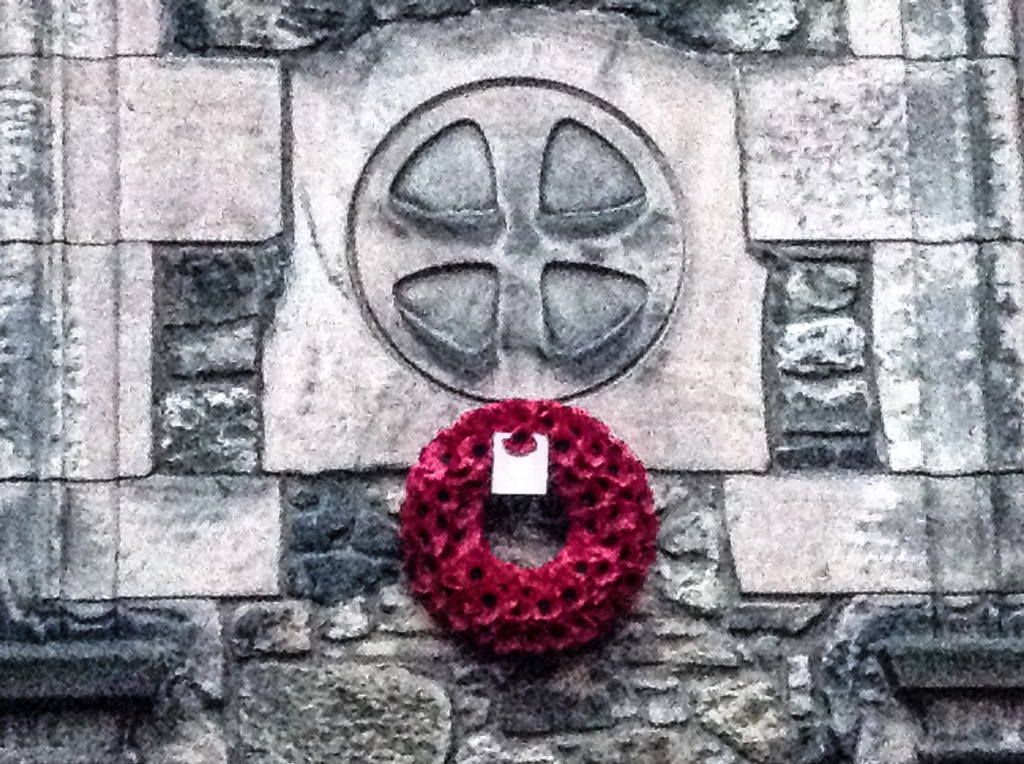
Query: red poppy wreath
point(570, 600)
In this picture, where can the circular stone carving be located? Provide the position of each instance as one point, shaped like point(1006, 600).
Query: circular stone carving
point(569, 600)
point(517, 239)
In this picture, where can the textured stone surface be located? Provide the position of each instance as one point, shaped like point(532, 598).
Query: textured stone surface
point(75, 324)
point(822, 346)
point(828, 534)
point(209, 427)
point(1002, 264)
point(89, 570)
point(213, 350)
point(763, 25)
point(348, 620)
point(271, 628)
point(875, 27)
point(1008, 505)
point(960, 523)
point(826, 407)
point(342, 712)
point(827, 151)
point(748, 714)
point(785, 617)
point(200, 150)
point(344, 540)
point(930, 367)
point(80, 28)
point(199, 537)
point(943, 29)
point(815, 287)
point(336, 398)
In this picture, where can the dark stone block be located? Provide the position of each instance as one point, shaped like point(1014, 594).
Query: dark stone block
point(790, 618)
point(330, 577)
point(209, 285)
point(82, 670)
point(323, 530)
point(958, 663)
point(539, 709)
point(375, 534)
point(809, 452)
point(826, 406)
point(209, 428)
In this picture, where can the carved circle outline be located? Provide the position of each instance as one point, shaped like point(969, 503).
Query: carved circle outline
point(351, 264)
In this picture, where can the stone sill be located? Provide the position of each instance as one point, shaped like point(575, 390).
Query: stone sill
point(957, 663)
point(114, 669)
point(974, 753)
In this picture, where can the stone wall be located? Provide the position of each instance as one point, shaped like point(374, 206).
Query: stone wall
point(782, 258)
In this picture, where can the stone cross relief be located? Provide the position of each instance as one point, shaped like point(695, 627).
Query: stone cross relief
point(524, 242)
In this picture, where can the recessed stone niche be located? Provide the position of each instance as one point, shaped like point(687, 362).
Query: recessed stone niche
point(511, 205)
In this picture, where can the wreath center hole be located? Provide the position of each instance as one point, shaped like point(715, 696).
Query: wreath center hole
point(527, 531)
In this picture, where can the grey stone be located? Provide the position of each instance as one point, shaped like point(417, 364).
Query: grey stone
point(399, 613)
point(801, 686)
point(486, 748)
point(749, 714)
point(26, 168)
point(942, 178)
point(209, 427)
point(29, 541)
point(763, 25)
point(671, 709)
point(575, 699)
point(196, 739)
point(1001, 179)
point(961, 527)
point(936, 29)
point(783, 617)
point(271, 628)
point(330, 577)
point(830, 406)
point(217, 284)
point(1008, 504)
point(930, 373)
point(200, 149)
point(826, 287)
point(690, 519)
point(827, 151)
point(1002, 264)
point(828, 534)
point(89, 541)
point(875, 27)
point(800, 451)
point(336, 397)
point(348, 620)
point(822, 346)
point(199, 537)
point(696, 584)
point(212, 350)
point(341, 712)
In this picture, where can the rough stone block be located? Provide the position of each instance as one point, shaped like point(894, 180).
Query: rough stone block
point(927, 343)
point(820, 287)
point(1001, 182)
point(336, 397)
point(1003, 266)
point(227, 349)
point(762, 25)
point(831, 406)
point(199, 537)
point(828, 534)
point(200, 150)
point(1008, 505)
point(822, 346)
point(946, 29)
point(342, 712)
point(89, 29)
point(271, 628)
point(826, 149)
point(209, 427)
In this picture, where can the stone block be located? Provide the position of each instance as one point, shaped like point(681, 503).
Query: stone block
point(1001, 182)
point(271, 628)
point(1008, 506)
point(200, 150)
point(962, 534)
point(820, 287)
point(930, 366)
point(341, 712)
point(90, 529)
point(336, 397)
point(209, 427)
point(30, 555)
point(829, 406)
point(748, 714)
point(875, 27)
point(779, 616)
point(1003, 266)
point(348, 620)
point(229, 349)
point(822, 346)
point(826, 151)
point(828, 534)
point(214, 537)
point(946, 29)
point(762, 25)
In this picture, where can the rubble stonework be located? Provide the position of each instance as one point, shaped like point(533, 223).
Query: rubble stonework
point(255, 254)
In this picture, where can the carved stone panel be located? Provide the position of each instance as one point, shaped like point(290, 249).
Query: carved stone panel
point(511, 206)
